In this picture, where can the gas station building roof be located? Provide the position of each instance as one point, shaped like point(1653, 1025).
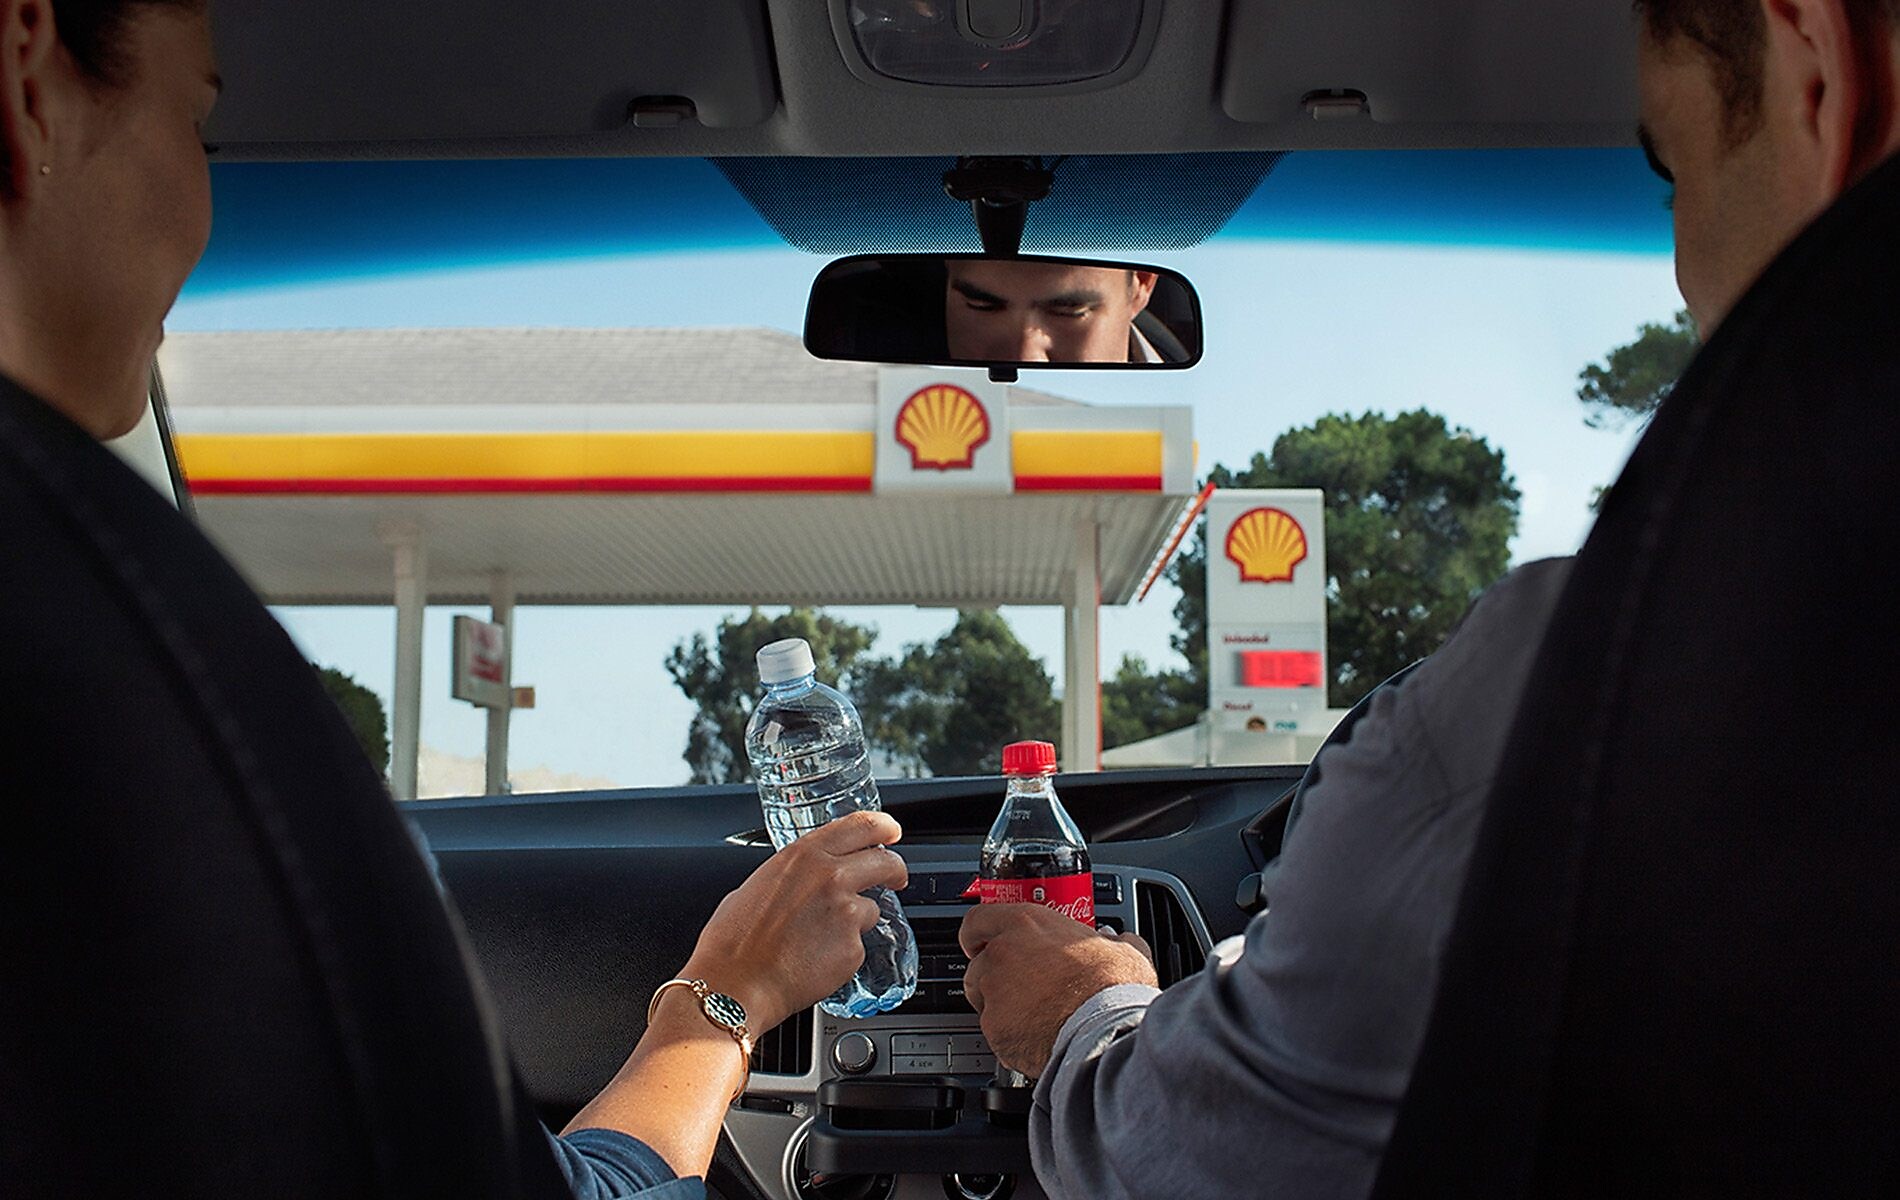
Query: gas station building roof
point(662, 466)
point(640, 466)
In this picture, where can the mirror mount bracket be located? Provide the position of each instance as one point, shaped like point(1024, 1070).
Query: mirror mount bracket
point(999, 192)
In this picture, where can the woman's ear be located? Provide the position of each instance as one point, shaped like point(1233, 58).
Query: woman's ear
point(28, 44)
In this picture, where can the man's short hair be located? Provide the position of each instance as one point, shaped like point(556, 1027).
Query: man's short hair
point(1732, 35)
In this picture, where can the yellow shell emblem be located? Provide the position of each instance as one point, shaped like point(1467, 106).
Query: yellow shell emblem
point(1266, 544)
point(942, 426)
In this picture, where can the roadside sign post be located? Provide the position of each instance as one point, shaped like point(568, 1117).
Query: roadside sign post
point(483, 676)
point(481, 664)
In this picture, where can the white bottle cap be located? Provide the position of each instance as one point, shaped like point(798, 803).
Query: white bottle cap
point(782, 662)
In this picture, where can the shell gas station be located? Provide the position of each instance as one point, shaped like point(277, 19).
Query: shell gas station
point(727, 467)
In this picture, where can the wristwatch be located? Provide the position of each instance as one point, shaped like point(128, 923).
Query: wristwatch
point(722, 1010)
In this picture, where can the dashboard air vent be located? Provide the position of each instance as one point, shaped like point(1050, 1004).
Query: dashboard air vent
point(1160, 919)
point(785, 1049)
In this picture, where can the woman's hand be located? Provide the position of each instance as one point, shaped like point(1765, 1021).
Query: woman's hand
point(793, 932)
point(783, 941)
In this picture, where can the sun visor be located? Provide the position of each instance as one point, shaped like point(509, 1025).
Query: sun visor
point(372, 71)
point(1506, 64)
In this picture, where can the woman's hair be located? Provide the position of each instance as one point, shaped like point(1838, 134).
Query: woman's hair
point(1733, 36)
point(93, 31)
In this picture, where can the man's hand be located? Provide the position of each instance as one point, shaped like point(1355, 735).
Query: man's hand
point(793, 931)
point(1031, 968)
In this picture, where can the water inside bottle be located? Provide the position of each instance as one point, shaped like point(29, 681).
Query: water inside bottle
point(809, 756)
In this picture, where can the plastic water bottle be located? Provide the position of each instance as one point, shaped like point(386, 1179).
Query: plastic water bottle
point(807, 750)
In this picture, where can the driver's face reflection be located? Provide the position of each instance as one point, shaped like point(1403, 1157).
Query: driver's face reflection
point(1042, 312)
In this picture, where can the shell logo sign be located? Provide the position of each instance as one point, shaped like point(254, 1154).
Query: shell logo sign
point(1266, 544)
point(942, 426)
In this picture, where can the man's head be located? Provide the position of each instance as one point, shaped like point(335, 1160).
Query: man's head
point(1041, 312)
point(1761, 113)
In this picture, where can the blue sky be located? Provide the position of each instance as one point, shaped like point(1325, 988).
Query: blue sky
point(1304, 317)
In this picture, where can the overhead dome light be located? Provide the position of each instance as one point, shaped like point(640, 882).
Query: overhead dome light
point(996, 43)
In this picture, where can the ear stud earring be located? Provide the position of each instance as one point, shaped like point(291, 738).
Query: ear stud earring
point(46, 169)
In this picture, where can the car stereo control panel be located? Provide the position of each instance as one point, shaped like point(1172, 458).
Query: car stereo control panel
point(934, 1033)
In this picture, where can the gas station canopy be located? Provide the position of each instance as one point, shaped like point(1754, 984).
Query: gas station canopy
point(648, 466)
point(663, 466)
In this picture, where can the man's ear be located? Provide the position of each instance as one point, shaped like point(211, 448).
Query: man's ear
point(1834, 75)
point(28, 40)
point(1144, 288)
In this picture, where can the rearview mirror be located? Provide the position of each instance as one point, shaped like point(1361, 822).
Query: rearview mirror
point(1003, 311)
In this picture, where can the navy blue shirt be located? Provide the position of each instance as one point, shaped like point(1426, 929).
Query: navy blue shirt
point(605, 1164)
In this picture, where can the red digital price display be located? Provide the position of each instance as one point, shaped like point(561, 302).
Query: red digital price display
point(1280, 669)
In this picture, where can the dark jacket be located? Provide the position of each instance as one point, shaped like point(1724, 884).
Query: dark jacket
point(1676, 964)
point(224, 969)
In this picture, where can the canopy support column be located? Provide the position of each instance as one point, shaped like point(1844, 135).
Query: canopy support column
point(412, 597)
point(501, 610)
point(1081, 660)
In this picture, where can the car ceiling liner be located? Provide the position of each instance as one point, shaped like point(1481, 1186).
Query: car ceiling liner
point(995, 43)
point(1099, 203)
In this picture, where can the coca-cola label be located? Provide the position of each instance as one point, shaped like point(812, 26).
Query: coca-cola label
point(1070, 895)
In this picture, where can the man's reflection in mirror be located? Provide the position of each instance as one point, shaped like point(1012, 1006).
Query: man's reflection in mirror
point(1000, 311)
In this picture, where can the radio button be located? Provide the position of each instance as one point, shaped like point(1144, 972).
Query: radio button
point(969, 1043)
point(854, 1053)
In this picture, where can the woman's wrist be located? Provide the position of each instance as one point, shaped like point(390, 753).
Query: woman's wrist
point(679, 1017)
point(681, 1026)
point(763, 1008)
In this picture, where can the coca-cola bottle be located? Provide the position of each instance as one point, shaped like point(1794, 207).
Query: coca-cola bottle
point(1034, 854)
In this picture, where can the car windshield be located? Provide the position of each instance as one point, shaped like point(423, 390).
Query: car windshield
point(1455, 348)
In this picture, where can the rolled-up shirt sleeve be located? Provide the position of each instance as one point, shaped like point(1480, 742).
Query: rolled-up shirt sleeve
point(1178, 1094)
point(605, 1164)
point(1109, 1014)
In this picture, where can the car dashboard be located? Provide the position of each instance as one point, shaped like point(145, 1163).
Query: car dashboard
point(933, 1036)
point(578, 905)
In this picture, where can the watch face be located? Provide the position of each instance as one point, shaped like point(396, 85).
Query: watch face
point(724, 1010)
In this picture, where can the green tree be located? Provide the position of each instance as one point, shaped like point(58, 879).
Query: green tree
point(1138, 703)
point(362, 711)
point(720, 676)
point(1633, 379)
point(949, 708)
point(1419, 519)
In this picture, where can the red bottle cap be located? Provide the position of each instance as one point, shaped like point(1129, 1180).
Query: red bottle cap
point(1029, 758)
